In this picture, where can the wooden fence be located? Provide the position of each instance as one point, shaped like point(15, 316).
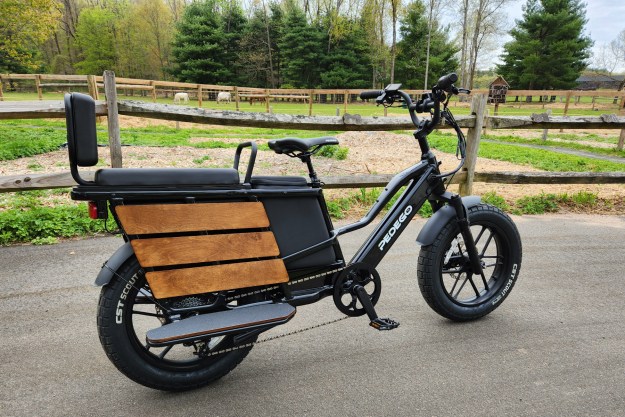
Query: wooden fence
point(475, 123)
point(202, 92)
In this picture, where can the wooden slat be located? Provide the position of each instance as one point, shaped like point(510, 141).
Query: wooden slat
point(64, 77)
point(187, 281)
point(170, 218)
point(197, 249)
point(40, 109)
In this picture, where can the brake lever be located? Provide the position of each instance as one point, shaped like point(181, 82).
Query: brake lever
point(463, 91)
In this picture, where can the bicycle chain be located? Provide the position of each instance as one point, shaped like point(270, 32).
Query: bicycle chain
point(263, 290)
point(297, 281)
point(258, 342)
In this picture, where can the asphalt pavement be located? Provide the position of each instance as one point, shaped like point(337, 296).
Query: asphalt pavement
point(556, 347)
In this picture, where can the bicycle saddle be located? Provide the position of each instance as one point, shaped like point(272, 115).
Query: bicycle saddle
point(290, 145)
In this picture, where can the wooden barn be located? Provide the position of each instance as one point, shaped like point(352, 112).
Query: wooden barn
point(599, 81)
point(497, 90)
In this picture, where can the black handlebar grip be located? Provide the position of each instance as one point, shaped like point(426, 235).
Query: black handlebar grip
point(371, 94)
point(446, 81)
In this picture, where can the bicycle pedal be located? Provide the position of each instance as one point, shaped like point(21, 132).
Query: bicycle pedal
point(384, 324)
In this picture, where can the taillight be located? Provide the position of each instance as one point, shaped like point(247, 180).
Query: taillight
point(93, 210)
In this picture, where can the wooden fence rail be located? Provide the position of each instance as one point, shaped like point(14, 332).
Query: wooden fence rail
point(153, 86)
point(55, 109)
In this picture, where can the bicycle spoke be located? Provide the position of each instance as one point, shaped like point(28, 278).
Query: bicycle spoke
point(479, 236)
point(454, 286)
point(461, 287)
point(165, 351)
point(490, 237)
point(477, 293)
point(484, 281)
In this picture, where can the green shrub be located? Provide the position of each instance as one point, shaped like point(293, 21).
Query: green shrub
point(496, 200)
point(538, 204)
point(333, 151)
point(42, 216)
point(17, 142)
point(585, 198)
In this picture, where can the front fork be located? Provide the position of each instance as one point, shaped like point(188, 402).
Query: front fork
point(463, 223)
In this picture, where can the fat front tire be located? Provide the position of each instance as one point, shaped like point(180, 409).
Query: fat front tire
point(444, 273)
point(126, 311)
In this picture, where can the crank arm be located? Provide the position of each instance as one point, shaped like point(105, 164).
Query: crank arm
point(376, 322)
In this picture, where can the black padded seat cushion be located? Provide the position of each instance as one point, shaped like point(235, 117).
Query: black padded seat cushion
point(269, 181)
point(166, 176)
point(287, 145)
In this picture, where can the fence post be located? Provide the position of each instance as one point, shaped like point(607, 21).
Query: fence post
point(1, 95)
point(478, 107)
point(310, 101)
point(566, 105)
point(236, 97)
point(113, 119)
point(546, 131)
point(38, 85)
point(153, 84)
point(199, 96)
point(93, 87)
point(621, 140)
point(345, 102)
point(266, 101)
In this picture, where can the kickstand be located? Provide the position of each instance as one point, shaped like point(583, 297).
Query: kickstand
point(376, 322)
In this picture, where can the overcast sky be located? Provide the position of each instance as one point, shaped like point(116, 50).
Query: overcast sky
point(606, 18)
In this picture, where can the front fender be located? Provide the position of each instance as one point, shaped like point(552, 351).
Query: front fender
point(441, 218)
point(120, 256)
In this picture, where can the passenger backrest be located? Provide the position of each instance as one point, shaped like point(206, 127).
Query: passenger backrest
point(82, 141)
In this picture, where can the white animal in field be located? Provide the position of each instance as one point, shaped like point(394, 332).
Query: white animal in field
point(223, 96)
point(181, 96)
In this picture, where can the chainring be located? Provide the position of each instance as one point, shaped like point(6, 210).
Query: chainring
point(344, 295)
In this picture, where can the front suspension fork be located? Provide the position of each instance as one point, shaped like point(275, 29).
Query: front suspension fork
point(463, 223)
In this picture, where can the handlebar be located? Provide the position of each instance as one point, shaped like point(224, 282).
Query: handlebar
point(365, 95)
point(446, 82)
point(428, 102)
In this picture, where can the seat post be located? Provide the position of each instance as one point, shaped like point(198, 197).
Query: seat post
point(306, 157)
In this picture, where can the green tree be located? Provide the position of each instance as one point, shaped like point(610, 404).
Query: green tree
point(95, 36)
point(24, 26)
point(347, 63)
point(155, 22)
point(301, 46)
point(207, 42)
point(412, 49)
point(259, 47)
point(233, 23)
point(549, 48)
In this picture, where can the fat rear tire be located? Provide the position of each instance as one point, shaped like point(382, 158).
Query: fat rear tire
point(122, 336)
point(461, 296)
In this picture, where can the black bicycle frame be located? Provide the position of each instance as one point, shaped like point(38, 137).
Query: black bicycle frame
point(418, 179)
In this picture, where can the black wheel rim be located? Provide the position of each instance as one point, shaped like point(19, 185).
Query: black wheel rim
point(142, 314)
point(459, 283)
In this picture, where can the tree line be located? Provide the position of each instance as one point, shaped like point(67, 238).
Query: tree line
point(295, 43)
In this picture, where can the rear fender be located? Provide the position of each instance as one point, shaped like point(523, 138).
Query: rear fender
point(109, 268)
point(441, 218)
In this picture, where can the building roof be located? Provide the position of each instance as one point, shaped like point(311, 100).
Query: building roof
point(499, 80)
point(600, 78)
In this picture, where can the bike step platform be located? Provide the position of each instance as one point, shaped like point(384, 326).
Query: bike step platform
point(237, 320)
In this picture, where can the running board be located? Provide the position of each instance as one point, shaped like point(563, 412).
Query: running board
point(237, 320)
